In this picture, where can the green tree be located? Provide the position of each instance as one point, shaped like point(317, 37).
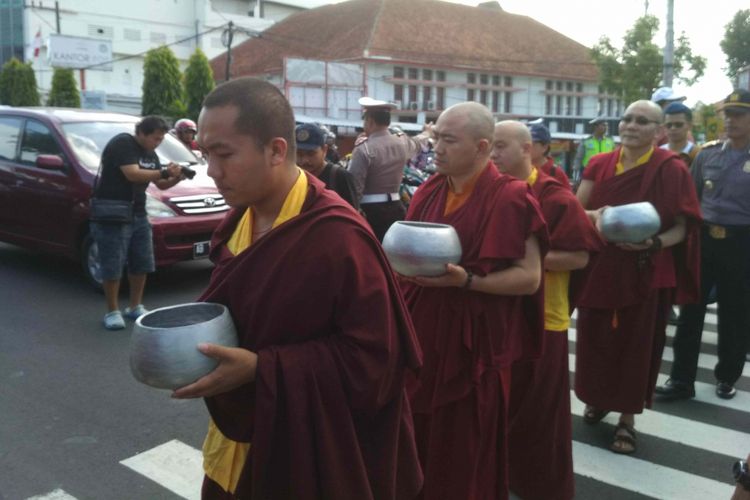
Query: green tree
point(64, 91)
point(18, 84)
point(162, 84)
point(736, 43)
point(635, 70)
point(199, 81)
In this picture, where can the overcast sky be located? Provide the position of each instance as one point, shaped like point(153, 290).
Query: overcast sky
point(702, 22)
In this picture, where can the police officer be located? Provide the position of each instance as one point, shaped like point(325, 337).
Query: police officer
point(722, 175)
point(597, 142)
point(377, 165)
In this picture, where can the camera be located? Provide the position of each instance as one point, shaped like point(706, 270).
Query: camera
point(187, 172)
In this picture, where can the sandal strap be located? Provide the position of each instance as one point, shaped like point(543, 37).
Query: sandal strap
point(630, 435)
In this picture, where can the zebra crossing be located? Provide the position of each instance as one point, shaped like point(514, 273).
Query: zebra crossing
point(685, 449)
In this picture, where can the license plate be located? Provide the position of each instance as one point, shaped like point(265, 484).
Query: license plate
point(201, 249)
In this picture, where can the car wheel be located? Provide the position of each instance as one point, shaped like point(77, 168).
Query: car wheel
point(90, 263)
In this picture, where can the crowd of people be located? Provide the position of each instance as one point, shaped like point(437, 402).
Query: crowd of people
point(353, 382)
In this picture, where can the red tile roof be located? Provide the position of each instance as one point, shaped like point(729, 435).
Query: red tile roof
point(425, 32)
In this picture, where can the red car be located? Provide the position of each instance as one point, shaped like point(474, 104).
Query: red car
point(49, 159)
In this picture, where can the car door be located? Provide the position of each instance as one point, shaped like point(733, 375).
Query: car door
point(10, 131)
point(43, 197)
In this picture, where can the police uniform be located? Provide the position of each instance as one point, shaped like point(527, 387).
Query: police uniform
point(377, 164)
point(722, 177)
point(589, 147)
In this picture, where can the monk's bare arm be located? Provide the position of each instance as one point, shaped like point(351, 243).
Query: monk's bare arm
point(521, 278)
point(558, 260)
point(237, 366)
point(584, 195)
point(672, 236)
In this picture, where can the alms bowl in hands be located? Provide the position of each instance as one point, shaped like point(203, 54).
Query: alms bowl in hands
point(421, 248)
point(164, 346)
point(631, 223)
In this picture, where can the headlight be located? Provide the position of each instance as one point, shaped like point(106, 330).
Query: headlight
point(156, 208)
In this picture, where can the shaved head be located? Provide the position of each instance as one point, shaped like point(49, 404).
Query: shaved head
point(650, 109)
point(479, 120)
point(515, 129)
point(511, 148)
point(640, 126)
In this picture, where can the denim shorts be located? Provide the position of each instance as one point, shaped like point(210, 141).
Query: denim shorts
point(124, 244)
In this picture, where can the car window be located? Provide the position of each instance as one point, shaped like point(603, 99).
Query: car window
point(10, 129)
point(88, 139)
point(38, 140)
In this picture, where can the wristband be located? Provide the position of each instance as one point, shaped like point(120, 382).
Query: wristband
point(655, 244)
point(469, 277)
point(165, 173)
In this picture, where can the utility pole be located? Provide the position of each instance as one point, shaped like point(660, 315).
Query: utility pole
point(227, 37)
point(669, 47)
point(57, 16)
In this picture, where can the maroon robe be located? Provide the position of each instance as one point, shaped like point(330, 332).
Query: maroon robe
point(540, 451)
point(470, 338)
point(555, 171)
point(327, 415)
point(625, 297)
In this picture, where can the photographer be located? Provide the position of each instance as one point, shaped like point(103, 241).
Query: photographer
point(129, 164)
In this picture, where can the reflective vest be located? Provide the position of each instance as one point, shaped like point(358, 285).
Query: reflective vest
point(593, 146)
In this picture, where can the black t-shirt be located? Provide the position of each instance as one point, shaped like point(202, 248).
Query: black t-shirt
point(122, 150)
point(337, 178)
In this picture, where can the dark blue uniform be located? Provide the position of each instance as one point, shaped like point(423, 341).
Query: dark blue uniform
point(722, 177)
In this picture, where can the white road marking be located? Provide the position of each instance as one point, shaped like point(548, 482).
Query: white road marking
point(681, 430)
point(57, 494)
point(644, 477)
point(173, 465)
point(707, 361)
point(704, 393)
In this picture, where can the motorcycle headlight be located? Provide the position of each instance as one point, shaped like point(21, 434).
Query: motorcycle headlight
point(156, 208)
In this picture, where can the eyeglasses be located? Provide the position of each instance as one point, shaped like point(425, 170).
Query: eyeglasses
point(674, 124)
point(640, 120)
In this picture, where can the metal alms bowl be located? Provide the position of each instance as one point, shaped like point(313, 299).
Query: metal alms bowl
point(631, 223)
point(163, 347)
point(421, 248)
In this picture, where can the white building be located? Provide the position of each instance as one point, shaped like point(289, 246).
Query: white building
point(135, 26)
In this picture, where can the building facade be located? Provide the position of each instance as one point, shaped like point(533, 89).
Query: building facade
point(426, 55)
point(133, 28)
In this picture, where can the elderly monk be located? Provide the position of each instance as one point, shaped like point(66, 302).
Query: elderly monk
point(629, 288)
point(480, 316)
point(540, 442)
point(311, 405)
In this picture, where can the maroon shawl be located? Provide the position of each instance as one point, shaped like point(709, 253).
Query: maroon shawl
point(568, 225)
point(614, 278)
point(464, 333)
point(327, 415)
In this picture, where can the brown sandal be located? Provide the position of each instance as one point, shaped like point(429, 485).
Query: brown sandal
point(593, 416)
point(625, 437)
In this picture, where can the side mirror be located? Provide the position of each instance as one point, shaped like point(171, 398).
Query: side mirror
point(50, 162)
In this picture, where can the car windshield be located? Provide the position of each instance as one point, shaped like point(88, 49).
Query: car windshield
point(88, 139)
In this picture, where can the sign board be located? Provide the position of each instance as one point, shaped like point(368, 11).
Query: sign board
point(93, 99)
point(79, 53)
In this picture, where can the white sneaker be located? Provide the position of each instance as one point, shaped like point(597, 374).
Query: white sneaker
point(135, 312)
point(113, 321)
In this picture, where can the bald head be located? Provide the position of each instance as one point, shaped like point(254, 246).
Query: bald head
point(648, 108)
point(511, 148)
point(640, 126)
point(514, 129)
point(479, 122)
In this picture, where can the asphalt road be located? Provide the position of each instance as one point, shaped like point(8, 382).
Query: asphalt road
point(70, 410)
point(71, 413)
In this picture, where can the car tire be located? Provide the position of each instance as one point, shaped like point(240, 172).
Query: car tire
point(90, 263)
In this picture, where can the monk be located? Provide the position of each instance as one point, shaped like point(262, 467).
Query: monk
point(540, 441)
point(311, 405)
point(628, 289)
point(479, 317)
